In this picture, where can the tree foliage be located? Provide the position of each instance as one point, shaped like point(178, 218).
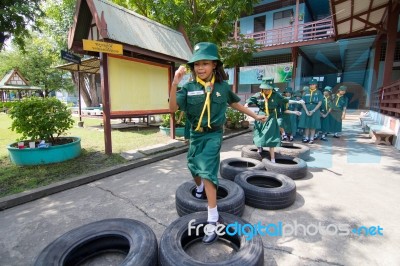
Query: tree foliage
point(205, 20)
point(16, 17)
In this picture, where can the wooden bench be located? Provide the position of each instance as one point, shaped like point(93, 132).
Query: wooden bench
point(382, 135)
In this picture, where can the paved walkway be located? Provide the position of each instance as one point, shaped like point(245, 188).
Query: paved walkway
point(351, 181)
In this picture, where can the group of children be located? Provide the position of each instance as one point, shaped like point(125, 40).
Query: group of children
point(204, 101)
point(321, 113)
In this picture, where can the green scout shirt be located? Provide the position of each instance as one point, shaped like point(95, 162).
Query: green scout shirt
point(191, 100)
point(275, 103)
point(312, 102)
point(326, 105)
point(339, 105)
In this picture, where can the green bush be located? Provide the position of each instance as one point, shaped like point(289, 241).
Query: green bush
point(166, 118)
point(40, 119)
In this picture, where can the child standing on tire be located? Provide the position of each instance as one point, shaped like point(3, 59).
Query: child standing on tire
point(270, 103)
point(205, 100)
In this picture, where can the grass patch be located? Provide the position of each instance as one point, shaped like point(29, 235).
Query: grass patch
point(15, 179)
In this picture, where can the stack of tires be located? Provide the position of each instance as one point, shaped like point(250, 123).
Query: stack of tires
point(178, 239)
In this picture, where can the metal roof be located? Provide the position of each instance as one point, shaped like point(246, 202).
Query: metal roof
point(125, 26)
point(90, 65)
point(354, 17)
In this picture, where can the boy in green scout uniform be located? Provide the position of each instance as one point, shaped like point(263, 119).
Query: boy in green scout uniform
point(339, 105)
point(204, 100)
point(310, 119)
point(270, 104)
point(325, 110)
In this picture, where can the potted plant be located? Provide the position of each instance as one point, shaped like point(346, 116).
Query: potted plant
point(179, 127)
point(243, 121)
point(42, 123)
point(232, 118)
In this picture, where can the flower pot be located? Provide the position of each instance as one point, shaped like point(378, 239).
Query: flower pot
point(179, 131)
point(52, 154)
point(245, 124)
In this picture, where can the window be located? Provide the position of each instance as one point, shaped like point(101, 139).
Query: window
point(283, 18)
point(259, 24)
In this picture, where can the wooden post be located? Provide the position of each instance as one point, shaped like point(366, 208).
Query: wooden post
point(296, 22)
point(105, 90)
point(172, 115)
point(295, 55)
point(392, 22)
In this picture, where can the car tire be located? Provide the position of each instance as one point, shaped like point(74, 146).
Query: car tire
point(295, 168)
point(130, 237)
point(267, 190)
point(230, 198)
point(251, 151)
point(294, 150)
point(176, 239)
point(230, 167)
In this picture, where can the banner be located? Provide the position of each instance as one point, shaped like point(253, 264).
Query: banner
point(254, 74)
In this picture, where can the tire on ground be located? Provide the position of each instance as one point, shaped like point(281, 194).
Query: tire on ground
point(230, 198)
point(126, 236)
point(295, 168)
point(267, 190)
point(251, 151)
point(230, 167)
point(176, 240)
point(294, 150)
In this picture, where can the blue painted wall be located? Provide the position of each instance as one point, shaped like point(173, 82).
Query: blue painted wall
point(247, 23)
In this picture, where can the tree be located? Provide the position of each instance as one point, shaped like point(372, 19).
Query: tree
point(205, 20)
point(16, 18)
point(36, 63)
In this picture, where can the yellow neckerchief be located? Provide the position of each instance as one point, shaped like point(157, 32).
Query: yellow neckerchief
point(326, 102)
point(208, 86)
point(338, 97)
point(311, 92)
point(266, 97)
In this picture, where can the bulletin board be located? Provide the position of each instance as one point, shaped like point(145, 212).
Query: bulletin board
point(137, 87)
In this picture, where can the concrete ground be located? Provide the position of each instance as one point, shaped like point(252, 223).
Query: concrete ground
point(351, 183)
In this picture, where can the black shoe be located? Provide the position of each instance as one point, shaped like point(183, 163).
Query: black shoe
point(324, 139)
point(336, 136)
point(311, 141)
point(305, 140)
point(209, 239)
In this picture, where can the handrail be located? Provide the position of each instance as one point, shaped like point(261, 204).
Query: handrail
point(306, 31)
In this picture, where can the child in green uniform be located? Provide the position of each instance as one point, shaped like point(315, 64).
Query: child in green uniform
point(286, 118)
point(310, 119)
point(204, 100)
point(339, 105)
point(325, 110)
point(270, 103)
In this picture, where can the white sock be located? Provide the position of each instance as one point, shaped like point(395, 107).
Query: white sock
point(199, 190)
point(272, 160)
point(212, 214)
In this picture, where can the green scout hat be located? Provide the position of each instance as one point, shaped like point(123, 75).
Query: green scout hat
point(267, 83)
point(313, 81)
point(342, 88)
point(328, 88)
point(288, 89)
point(205, 51)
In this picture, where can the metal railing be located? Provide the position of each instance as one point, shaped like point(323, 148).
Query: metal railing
point(306, 31)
